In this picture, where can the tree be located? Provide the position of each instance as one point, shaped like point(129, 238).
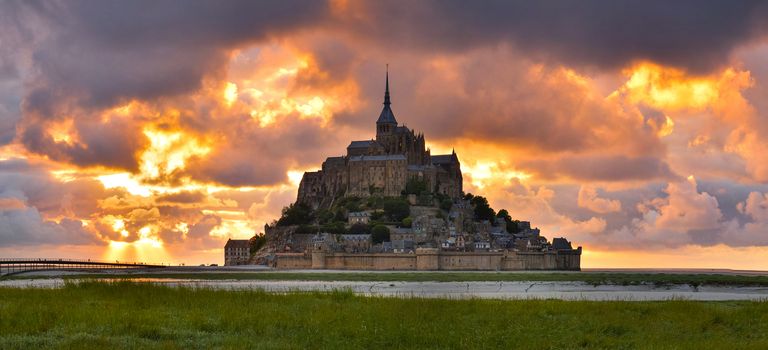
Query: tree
point(295, 214)
point(379, 234)
point(511, 225)
point(256, 242)
point(325, 216)
point(483, 210)
point(407, 222)
point(415, 186)
point(446, 204)
point(396, 209)
point(306, 229)
point(360, 229)
point(337, 228)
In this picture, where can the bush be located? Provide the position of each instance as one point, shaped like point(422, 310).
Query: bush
point(379, 234)
point(407, 222)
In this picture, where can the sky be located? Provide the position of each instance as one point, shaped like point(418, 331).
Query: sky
point(155, 130)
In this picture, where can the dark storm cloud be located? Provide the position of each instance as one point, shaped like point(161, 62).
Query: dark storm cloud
point(693, 34)
point(105, 51)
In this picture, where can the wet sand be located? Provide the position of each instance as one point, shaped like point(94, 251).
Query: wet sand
point(459, 290)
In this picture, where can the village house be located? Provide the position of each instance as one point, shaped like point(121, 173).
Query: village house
point(359, 217)
point(236, 252)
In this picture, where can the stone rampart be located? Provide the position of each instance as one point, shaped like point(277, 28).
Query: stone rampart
point(433, 260)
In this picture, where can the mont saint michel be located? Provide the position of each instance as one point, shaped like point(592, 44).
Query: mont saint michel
point(390, 204)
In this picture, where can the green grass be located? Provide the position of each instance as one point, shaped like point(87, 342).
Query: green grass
point(661, 279)
point(132, 315)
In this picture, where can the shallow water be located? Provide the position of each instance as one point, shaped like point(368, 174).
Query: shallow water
point(457, 290)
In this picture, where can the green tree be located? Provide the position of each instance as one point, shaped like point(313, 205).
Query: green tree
point(396, 209)
point(256, 242)
point(446, 204)
point(407, 222)
point(306, 229)
point(337, 228)
point(379, 234)
point(359, 229)
point(415, 186)
point(325, 216)
point(483, 210)
point(295, 214)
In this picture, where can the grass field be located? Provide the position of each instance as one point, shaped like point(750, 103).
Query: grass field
point(590, 278)
point(132, 315)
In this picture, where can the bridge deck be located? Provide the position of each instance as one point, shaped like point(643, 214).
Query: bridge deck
point(19, 265)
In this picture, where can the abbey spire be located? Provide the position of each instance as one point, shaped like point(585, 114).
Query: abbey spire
point(386, 122)
point(386, 89)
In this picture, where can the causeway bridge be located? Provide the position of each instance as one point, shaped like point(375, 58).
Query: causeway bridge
point(19, 265)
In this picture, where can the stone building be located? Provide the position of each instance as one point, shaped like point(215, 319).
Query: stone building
point(382, 165)
point(236, 252)
point(359, 217)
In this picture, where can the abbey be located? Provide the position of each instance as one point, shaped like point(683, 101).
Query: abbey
point(382, 166)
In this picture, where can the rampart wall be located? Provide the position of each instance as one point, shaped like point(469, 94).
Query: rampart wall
point(433, 260)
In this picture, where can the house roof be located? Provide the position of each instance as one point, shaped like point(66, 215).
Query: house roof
point(384, 157)
point(442, 159)
point(236, 243)
point(361, 144)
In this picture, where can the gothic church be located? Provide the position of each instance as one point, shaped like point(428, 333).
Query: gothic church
point(382, 166)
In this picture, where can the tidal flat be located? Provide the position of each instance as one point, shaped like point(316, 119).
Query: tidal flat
point(125, 314)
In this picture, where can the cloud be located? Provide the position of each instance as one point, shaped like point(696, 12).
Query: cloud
point(602, 168)
point(25, 226)
point(690, 34)
point(589, 199)
point(110, 51)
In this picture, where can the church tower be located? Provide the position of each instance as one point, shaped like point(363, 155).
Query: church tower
point(386, 123)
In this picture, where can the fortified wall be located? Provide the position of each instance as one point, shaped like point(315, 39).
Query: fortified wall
point(430, 259)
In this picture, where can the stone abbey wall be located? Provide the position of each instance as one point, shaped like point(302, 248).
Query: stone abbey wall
point(433, 260)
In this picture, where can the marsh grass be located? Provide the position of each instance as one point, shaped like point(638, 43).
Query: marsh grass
point(139, 315)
